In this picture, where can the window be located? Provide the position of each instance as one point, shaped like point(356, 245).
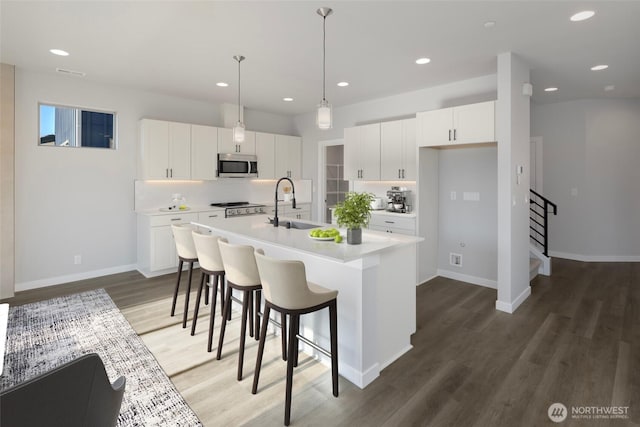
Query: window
point(75, 127)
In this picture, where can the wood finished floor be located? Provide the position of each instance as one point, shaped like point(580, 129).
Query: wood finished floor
point(576, 340)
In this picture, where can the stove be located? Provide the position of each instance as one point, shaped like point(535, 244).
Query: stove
point(240, 208)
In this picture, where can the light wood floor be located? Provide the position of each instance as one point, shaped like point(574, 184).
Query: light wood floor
point(576, 341)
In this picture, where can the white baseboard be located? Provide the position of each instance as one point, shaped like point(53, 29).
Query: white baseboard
point(422, 282)
point(395, 357)
point(513, 306)
point(595, 258)
point(481, 281)
point(51, 281)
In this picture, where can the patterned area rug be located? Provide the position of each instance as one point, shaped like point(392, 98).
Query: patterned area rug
point(43, 335)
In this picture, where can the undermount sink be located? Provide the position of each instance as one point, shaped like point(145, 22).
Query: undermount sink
point(294, 224)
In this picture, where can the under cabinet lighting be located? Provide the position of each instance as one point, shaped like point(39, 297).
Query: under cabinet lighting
point(287, 99)
point(422, 61)
point(599, 67)
point(551, 89)
point(343, 84)
point(222, 84)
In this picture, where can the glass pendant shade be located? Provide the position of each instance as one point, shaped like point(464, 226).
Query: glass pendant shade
point(238, 132)
point(323, 116)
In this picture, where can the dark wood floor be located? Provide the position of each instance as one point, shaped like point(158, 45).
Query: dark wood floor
point(576, 341)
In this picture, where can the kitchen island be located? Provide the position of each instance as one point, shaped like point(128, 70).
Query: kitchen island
point(376, 282)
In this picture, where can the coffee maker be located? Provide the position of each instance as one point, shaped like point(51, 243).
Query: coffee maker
point(398, 200)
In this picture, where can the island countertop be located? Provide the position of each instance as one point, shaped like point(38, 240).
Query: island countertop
point(257, 227)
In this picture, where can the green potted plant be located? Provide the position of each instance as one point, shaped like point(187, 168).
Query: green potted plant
point(354, 213)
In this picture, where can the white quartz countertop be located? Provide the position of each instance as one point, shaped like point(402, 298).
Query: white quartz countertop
point(396, 214)
point(257, 228)
point(192, 209)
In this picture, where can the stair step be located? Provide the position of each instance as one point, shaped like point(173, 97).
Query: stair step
point(534, 263)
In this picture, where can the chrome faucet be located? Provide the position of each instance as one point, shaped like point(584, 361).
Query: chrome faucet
point(293, 201)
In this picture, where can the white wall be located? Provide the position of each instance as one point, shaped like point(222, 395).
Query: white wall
point(81, 201)
point(468, 227)
point(592, 146)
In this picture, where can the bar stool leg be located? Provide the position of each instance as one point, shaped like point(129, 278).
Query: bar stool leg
point(297, 349)
point(283, 335)
point(222, 291)
point(265, 322)
point(250, 301)
point(246, 305)
point(195, 311)
point(175, 293)
point(186, 299)
point(333, 325)
point(206, 294)
point(212, 318)
point(226, 309)
point(290, 359)
point(258, 301)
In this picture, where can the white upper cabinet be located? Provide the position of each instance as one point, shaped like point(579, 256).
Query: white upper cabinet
point(226, 144)
point(204, 152)
point(288, 156)
point(266, 151)
point(398, 150)
point(362, 153)
point(165, 150)
point(466, 124)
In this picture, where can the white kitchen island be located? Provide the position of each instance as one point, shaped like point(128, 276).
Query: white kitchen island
point(376, 282)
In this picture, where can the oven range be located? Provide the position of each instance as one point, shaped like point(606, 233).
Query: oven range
point(240, 208)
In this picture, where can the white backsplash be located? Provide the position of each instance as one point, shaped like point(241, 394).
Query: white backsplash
point(150, 195)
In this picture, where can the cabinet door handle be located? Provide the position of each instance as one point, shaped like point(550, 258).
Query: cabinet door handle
point(398, 173)
point(167, 172)
point(213, 216)
point(403, 173)
point(171, 172)
point(176, 219)
point(390, 222)
point(449, 134)
point(454, 134)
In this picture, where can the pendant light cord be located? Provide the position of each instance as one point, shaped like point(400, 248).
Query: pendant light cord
point(239, 121)
point(324, 56)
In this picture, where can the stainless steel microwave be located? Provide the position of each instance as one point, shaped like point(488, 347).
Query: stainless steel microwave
point(237, 166)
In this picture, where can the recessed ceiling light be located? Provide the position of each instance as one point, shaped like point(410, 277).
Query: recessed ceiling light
point(599, 67)
point(551, 89)
point(609, 88)
point(581, 16)
point(422, 61)
point(59, 52)
point(222, 84)
point(287, 99)
point(343, 84)
point(490, 24)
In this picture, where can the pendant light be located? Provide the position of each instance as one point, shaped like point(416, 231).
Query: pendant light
point(323, 116)
point(238, 129)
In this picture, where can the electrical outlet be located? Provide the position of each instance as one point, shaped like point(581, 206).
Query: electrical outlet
point(77, 259)
point(455, 259)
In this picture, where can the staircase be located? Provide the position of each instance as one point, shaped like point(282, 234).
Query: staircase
point(540, 209)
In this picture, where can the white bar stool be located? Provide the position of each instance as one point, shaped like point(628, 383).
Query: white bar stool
point(287, 291)
point(242, 275)
point(186, 253)
point(212, 271)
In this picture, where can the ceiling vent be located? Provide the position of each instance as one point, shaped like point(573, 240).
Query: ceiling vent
point(71, 72)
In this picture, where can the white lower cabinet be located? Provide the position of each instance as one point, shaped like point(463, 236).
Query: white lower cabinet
point(156, 247)
point(302, 211)
point(393, 224)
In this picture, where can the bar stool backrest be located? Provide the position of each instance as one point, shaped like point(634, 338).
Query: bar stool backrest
point(239, 264)
point(284, 283)
point(184, 241)
point(208, 250)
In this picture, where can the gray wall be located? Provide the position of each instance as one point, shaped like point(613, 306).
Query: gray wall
point(468, 227)
point(592, 147)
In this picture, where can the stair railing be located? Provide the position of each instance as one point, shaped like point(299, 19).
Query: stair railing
point(539, 207)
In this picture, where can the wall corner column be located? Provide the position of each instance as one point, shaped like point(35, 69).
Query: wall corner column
point(513, 135)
